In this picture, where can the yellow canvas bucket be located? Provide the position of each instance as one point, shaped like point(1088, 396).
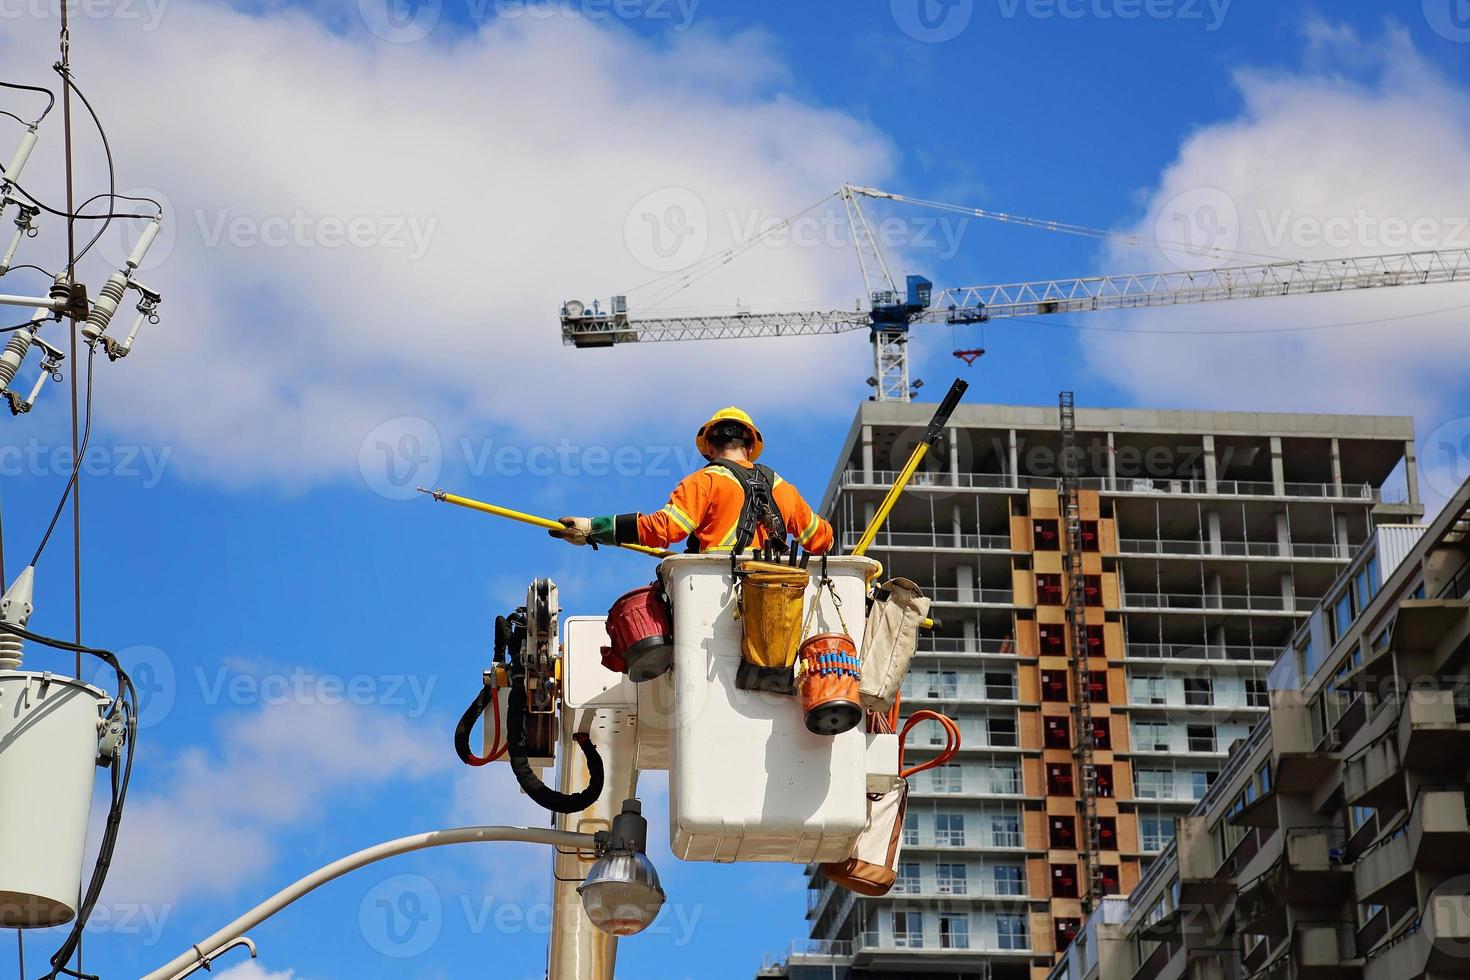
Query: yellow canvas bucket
point(771, 600)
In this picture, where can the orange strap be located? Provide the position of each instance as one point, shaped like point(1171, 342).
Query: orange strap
point(951, 746)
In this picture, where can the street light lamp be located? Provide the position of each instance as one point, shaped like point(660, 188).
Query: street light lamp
point(622, 895)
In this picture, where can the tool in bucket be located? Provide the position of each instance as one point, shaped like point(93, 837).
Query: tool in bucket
point(769, 599)
point(830, 673)
point(641, 632)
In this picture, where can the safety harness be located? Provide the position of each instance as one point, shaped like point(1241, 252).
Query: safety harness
point(758, 511)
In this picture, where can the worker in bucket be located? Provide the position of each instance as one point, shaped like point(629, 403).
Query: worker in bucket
point(731, 505)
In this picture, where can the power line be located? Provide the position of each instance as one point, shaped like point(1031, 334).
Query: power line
point(76, 465)
point(50, 96)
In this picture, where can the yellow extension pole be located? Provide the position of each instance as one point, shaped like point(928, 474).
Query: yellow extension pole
point(524, 518)
point(931, 436)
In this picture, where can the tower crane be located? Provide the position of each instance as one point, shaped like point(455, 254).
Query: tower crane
point(891, 312)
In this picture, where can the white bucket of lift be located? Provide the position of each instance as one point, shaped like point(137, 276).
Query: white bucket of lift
point(748, 781)
point(48, 758)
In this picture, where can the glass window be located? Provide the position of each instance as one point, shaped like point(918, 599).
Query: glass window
point(1362, 588)
point(954, 930)
point(1199, 691)
point(1146, 690)
point(908, 929)
point(949, 829)
point(948, 778)
point(1150, 736)
point(1154, 832)
point(1009, 879)
point(1005, 830)
point(1010, 932)
point(1255, 693)
point(907, 880)
point(944, 684)
point(999, 686)
point(1375, 578)
point(1201, 738)
point(1153, 784)
point(1002, 779)
point(1001, 732)
point(911, 828)
point(1199, 784)
point(951, 879)
point(1342, 614)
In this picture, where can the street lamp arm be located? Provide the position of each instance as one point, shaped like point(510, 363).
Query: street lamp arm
point(191, 958)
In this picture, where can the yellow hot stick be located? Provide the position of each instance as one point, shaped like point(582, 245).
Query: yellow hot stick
point(931, 436)
point(524, 518)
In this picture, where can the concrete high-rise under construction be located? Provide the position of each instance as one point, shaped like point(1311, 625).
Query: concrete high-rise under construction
point(1203, 538)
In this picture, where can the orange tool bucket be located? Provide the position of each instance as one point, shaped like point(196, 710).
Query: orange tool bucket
point(831, 679)
point(642, 635)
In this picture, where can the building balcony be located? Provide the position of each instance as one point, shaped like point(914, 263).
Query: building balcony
point(1373, 776)
point(1199, 548)
point(1194, 653)
point(1302, 762)
point(1233, 488)
point(1324, 951)
point(965, 689)
point(1309, 873)
point(1436, 837)
point(1194, 602)
point(1430, 734)
point(1431, 944)
point(930, 541)
point(877, 951)
point(972, 596)
point(1425, 632)
point(940, 646)
point(944, 480)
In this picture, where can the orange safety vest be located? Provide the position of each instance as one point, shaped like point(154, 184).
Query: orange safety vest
point(707, 504)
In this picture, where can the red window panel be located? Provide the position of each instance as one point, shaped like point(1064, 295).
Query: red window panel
point(1045, 535)
point(1048, 589)
point(1103, 776)
point(1107, 833)
point(1053, 638)
point(1062, 832)
point(1054, 685)
point(1110, 879)
point(1064, 880)
point(1059, 779)
point(1066, 931)
point(1095, 646)
point(1057, 733)
point(1097, 686)
point(1092, 590)
point(1090, 539)
point(1102, 733)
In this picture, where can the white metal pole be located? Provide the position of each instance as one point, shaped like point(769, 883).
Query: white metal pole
point(206, 949)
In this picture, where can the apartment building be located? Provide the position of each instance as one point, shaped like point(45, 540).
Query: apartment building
point(1206, 540)
point(1335, 844)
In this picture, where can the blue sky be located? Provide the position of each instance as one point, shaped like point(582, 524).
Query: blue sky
point(307, 637)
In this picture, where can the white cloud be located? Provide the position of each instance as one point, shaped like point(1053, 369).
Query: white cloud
point(220, 817)
point(252, 970)
point(1362, 152)
point(511, 155)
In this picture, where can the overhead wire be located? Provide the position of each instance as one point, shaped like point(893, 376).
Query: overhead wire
point(50, 95)
point(78, 453)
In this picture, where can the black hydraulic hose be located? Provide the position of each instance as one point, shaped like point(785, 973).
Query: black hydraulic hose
point(543, 795)
point(467, 722)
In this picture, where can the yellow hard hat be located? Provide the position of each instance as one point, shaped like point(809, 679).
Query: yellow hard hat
point(729, 414)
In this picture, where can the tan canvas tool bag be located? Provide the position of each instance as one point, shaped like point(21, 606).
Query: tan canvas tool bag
point(873, 866)
point(770, 600)
point(889, 640)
